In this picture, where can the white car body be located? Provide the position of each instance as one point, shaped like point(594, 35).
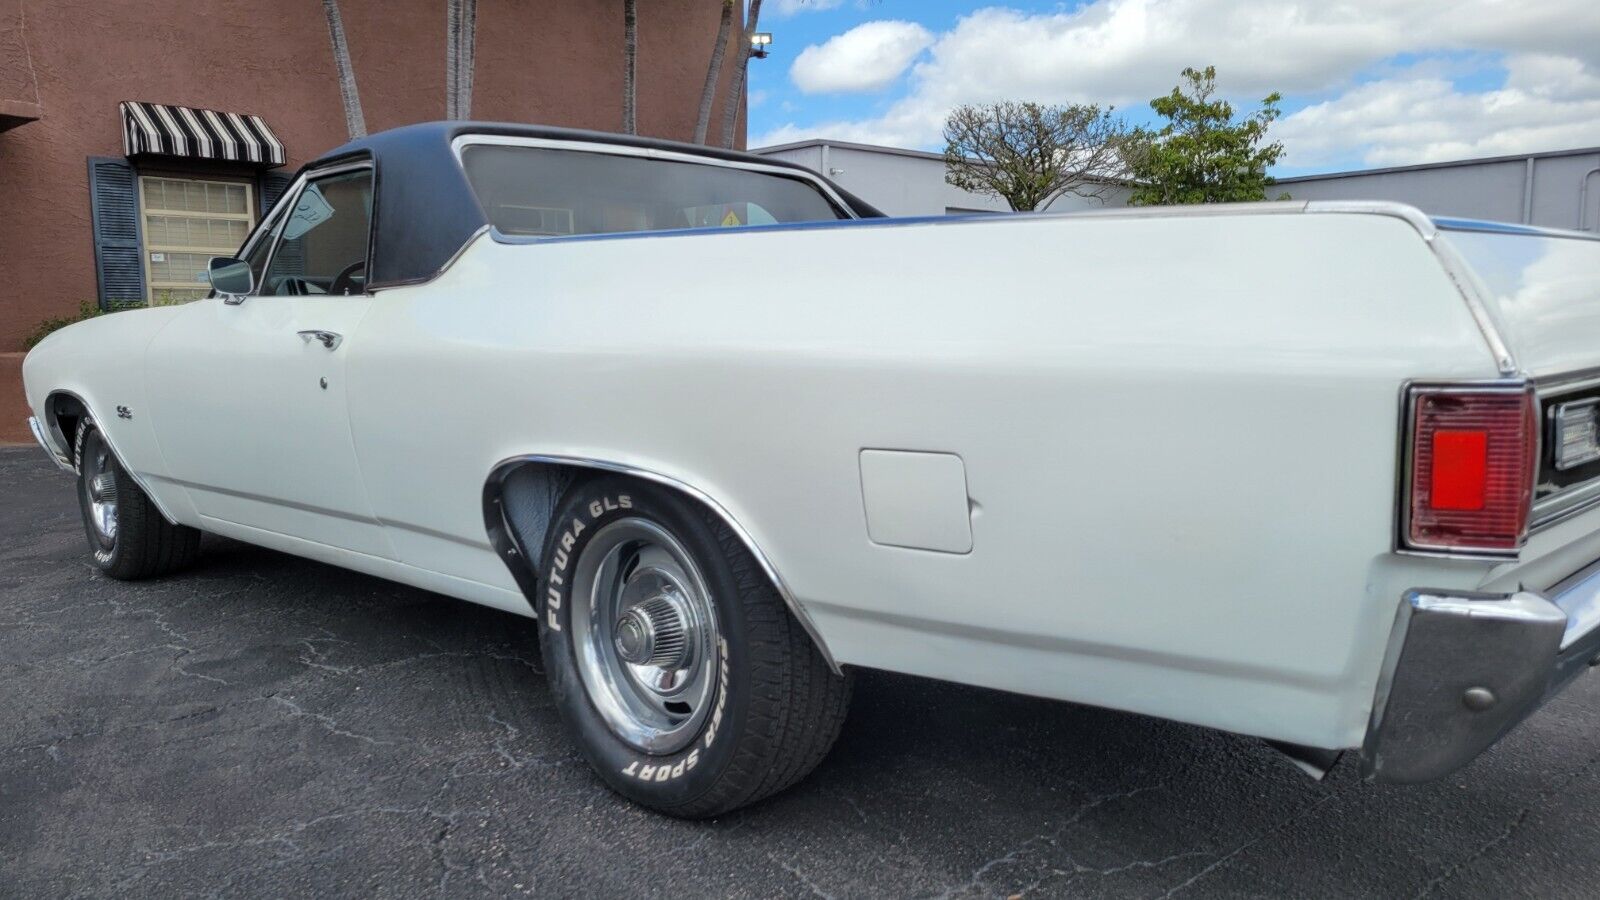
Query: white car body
point(1140, 459)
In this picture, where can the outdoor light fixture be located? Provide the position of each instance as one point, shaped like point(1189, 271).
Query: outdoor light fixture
point(758, 44)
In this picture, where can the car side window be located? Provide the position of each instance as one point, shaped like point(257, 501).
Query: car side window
point(544, 192)
point(322, 244)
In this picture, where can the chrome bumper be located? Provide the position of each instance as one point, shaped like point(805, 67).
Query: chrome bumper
point(54, 454)
point(1464, 669)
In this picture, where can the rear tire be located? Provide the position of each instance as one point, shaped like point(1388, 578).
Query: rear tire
point(128, 537)
point(714, 697)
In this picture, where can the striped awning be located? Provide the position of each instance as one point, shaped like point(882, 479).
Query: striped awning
point(155, 128)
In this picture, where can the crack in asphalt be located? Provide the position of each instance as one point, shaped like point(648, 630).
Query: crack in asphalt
point(1231, 855)
point(1512, 826)
point(1052, 839)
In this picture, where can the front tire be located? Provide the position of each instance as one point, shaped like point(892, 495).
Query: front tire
point(128, 537)
point(690, 687)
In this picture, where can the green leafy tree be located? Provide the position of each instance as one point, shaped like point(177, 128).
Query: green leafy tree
point(1202, 155)
point(1030, 153)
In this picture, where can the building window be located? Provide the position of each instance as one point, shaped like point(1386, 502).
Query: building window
point(186, 222)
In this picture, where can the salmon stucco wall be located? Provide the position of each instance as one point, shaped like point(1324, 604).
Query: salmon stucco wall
point(546, 63)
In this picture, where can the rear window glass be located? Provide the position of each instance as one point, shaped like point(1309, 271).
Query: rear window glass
point(542, 192)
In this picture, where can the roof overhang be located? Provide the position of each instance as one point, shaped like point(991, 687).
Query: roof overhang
point(17, 112)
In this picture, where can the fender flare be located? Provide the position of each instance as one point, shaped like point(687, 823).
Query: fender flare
point(521, 562)
point(53, 428)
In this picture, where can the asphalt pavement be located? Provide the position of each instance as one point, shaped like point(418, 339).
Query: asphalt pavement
point(267, 726)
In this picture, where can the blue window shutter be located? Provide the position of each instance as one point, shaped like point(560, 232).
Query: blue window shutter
point(114, 205)
point(272, 187)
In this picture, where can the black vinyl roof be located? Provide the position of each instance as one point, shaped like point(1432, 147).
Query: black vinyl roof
point(425, 211)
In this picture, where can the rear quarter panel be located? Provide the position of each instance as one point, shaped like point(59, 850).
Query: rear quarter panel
point(1179, 433)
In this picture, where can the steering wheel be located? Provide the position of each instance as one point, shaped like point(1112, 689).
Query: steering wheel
point(345, 280)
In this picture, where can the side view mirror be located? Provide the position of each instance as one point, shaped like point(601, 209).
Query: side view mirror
point(231, 278)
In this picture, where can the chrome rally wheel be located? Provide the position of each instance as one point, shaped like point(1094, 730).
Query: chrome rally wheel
point(98, 483)
point(645, 635)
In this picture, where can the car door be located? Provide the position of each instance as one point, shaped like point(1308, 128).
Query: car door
point(249, 394)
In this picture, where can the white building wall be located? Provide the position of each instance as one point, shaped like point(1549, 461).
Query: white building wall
point(1543, 189)
point(905, 182)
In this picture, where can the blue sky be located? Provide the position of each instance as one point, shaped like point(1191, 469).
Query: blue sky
point(1365, 82)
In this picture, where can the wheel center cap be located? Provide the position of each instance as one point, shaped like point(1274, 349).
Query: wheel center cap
point(654, 633)
point(634, 641)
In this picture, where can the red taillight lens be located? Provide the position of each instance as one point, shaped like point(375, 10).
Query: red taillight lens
point(1472, 468)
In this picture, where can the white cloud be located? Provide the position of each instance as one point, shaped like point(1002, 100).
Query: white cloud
point(1547, 103)
point(786, 8)
point(868, 57)
point(1127, 51)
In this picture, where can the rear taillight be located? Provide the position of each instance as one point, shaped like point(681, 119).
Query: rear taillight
point(1472, 460)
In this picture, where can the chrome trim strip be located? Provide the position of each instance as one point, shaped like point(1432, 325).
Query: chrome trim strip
point(987, 219)
point(506, 140)
point(460, 252)
point(1478, 225)
point(1579, 597)
point(1405, 212)
point(1564, 505)
point(325, 511)
point(1455, 268)
point(1569, 382)
point(505, 539)
point(55, 455)
point(1188, 211)
point(267, 228)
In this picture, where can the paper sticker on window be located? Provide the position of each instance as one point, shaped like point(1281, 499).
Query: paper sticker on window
point(312, 210)
point(158, 257)
point(731, 219)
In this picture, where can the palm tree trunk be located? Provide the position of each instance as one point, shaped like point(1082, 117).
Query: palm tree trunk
point(355, 123)
point(735, 101)
point(713, 73)
point(630, 57)
point(461, 29)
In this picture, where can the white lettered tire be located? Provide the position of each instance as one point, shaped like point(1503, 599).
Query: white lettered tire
point(129, 538)
point(689, 685)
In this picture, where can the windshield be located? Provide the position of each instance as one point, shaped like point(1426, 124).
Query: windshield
point(544, 192)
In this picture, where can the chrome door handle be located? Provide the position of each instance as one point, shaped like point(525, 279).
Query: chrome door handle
point(328, 339)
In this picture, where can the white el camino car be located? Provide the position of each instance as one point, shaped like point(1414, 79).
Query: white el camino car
point(1323, 473)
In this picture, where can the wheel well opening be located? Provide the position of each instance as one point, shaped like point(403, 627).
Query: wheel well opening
point(518, 501)
point(63, 414)
point(521, 496)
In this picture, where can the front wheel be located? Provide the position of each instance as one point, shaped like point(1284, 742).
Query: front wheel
point(688, 683)
point(128, 536)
